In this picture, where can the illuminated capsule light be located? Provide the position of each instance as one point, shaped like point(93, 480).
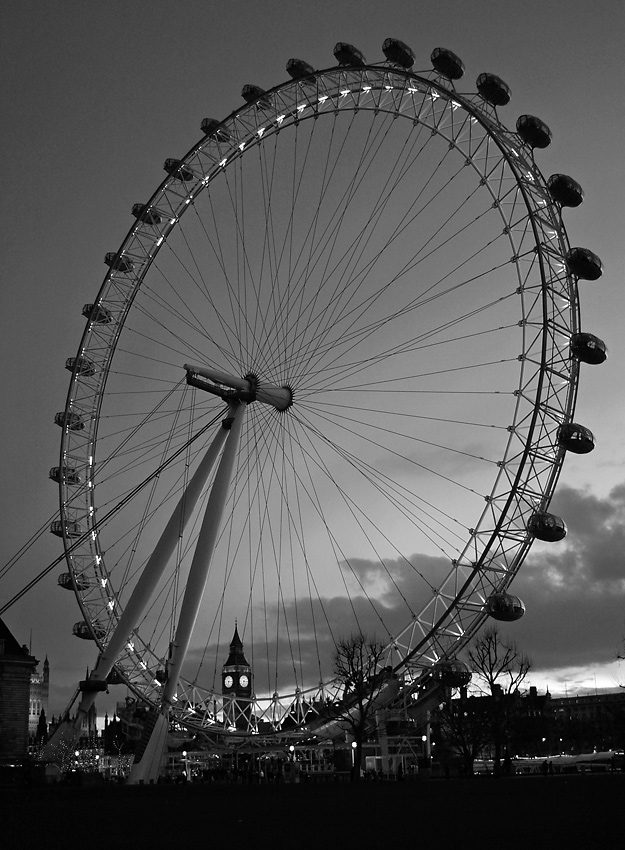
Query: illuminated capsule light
point(505, 607)
point(398, 53)
point(533, 131)
point(451, 674)
point(148, 216)
point(74, 421)
point(493, 89)
point(82, 630)
point(66, 473)
point(584, 264)
point(547, 527)
point(447, 63)
point(97, 313)
point(175, 168)
point(347, 54)
point(84, 367)
point(123, 264)
point(565, 191)
point(72, 529)
point(298, 69)
point(588, 349)
point(65, 581)
point(254, 94)
point(576, 438)
point(210, 128)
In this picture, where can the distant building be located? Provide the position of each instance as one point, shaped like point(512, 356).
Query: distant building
point(39, 694)
point(236, 681)
point(16, 667)
point(590, 722)
point(592, 707)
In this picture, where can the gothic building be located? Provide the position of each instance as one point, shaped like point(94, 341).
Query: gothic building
point(236, 682)
point(16, 667)
point(39, 694)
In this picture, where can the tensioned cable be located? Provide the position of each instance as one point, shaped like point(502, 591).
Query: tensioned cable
point(101, 522)
point(374, 476)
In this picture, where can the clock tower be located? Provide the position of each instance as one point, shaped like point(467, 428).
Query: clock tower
point(236, 684)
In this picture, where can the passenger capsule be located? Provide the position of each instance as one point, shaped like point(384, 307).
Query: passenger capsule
point(299, 70)
point(398, 53)
point(161, 676)
point(588, 349)
point(65, 581)
point(504, 606)
point(177, 169)
point(123, 264)
point(84, 367)
point(254, 94)
point(83, 631)
point(148, 216)
point(115, 677)
point(67, 474)
point(97, 313)
point(576, 438)
point(72, 529)
point(547, 527)
point(493, 89)
point(451, 673)
point(347, 54)
point(565, 191)
point(533, 131)
point(74, 421)
point(211, 128)
point(447, 63)
point(584, 264)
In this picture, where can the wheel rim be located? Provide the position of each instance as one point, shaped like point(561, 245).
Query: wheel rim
point(405, 279)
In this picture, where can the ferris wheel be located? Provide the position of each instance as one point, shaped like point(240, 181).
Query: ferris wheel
point(326, 388)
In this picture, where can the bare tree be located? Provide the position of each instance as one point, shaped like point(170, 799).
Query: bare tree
point(497, 661)
point(470, 723)
point(501, 670)
point(357, 664)
point(464, 726)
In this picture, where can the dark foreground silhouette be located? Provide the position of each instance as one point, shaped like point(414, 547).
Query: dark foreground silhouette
point(551, 812)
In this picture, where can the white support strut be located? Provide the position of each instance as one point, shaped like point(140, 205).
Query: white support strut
point(68, 732)
point(147, 768)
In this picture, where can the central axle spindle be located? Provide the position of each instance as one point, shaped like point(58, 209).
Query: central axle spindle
point(247, 389)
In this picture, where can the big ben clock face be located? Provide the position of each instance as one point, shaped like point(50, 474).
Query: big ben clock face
point(228, 681)
point(244, 681)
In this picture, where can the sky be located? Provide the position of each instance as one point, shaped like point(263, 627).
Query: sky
point(95, 96)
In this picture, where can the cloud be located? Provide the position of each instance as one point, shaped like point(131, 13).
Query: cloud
point(574, 591)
